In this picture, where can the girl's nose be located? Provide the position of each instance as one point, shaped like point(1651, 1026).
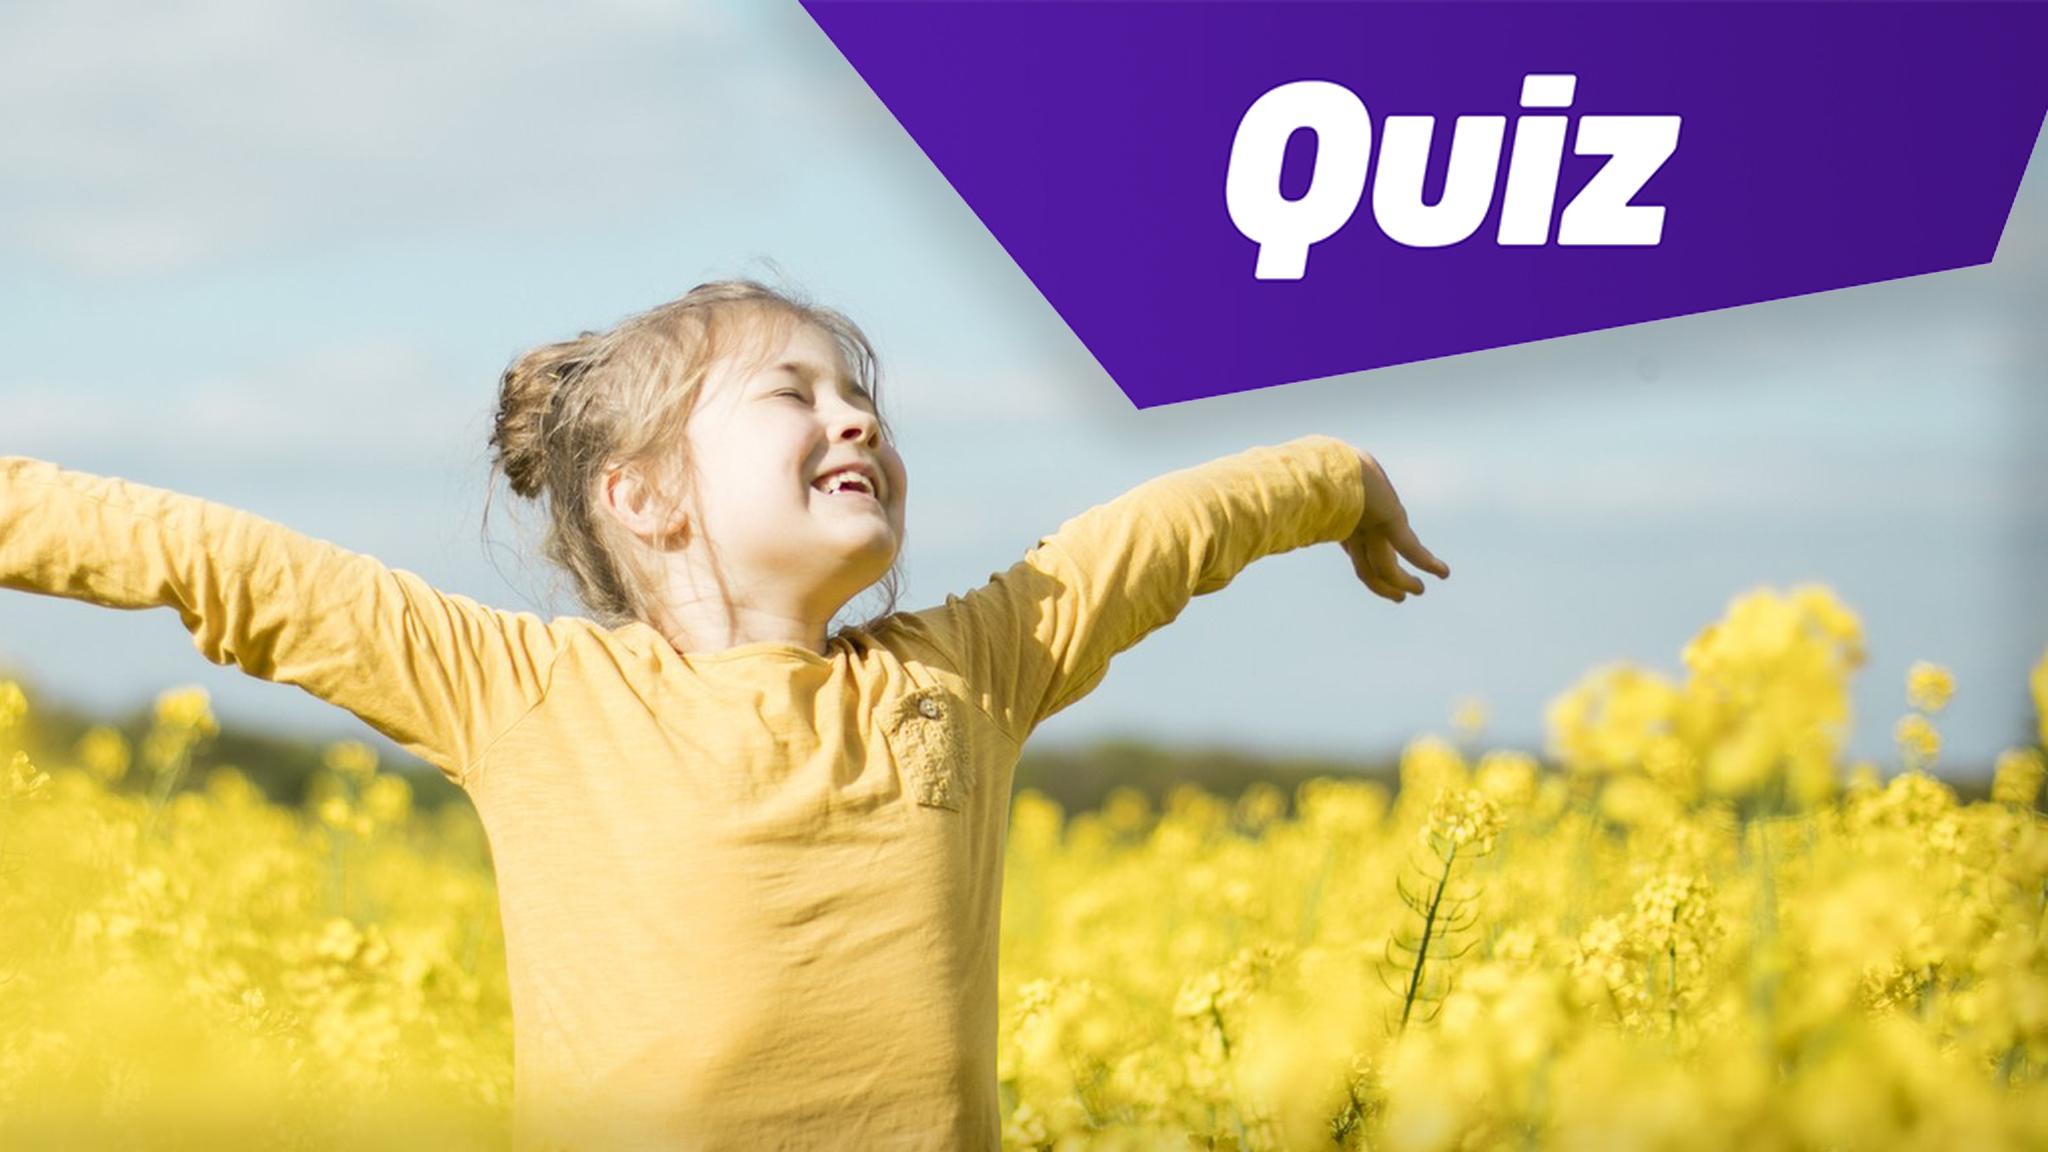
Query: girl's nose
point(855, 424)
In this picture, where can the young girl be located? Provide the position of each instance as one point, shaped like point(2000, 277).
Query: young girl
point(749, 872)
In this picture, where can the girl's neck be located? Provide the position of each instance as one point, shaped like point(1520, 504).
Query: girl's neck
point(723, 633)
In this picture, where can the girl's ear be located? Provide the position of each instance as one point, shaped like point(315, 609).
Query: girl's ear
point(639, 506)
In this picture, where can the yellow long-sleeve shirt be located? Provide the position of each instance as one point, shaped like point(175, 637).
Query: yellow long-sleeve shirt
point(750, 898)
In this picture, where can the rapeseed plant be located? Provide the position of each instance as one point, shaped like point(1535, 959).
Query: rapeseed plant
point(1692, 928)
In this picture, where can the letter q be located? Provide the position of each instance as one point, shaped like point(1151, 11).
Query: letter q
point(1284, 229)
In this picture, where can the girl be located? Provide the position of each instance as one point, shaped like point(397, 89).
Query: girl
point(749, 872)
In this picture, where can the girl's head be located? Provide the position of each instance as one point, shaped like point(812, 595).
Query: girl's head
point(679, 454)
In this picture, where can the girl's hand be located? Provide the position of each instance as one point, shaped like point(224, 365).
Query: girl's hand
point(1382, 533)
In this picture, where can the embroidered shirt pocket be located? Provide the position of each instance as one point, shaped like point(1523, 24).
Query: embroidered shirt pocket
point(927, 730)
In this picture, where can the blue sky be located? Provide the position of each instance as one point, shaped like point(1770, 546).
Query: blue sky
point(277, 255)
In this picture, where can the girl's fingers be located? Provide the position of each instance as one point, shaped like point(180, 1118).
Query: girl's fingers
point(1381, 588)
point(1389, 569)
point(1404, 539)
point(1363, 569)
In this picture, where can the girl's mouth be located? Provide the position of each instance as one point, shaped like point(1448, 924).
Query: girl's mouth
point(852, 494)
point(848, 484)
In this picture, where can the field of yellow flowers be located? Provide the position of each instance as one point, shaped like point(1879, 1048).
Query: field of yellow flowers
point(1692, 926)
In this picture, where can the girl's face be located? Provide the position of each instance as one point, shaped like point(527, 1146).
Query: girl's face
point(763, 445)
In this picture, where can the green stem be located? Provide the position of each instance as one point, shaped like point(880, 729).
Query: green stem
point(1671, 951)
point(1436, 900)
point(164, 787)
point(1346, 1123)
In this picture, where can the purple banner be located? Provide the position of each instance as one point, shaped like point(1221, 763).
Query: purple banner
point(1222, 195)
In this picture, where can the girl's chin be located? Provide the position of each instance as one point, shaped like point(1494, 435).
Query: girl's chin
point(872, 524)
point(859, 507)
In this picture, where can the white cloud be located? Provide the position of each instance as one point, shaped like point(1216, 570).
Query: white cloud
point(921, 395)
point(1820, 484)
point(377, 405)
point(391, 405)
point(168, 134)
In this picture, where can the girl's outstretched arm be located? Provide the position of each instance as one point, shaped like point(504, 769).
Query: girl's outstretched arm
point(1039, 636)
point(440, 674)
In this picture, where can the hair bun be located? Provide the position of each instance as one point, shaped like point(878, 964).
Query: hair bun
point(530, 396)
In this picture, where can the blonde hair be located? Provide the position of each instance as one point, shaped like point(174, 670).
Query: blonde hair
point(569, 411)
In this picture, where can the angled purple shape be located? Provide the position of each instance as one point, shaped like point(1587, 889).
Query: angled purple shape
point(1823, 145)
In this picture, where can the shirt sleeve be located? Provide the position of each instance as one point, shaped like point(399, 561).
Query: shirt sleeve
point(439, 674)
point(1040, 635)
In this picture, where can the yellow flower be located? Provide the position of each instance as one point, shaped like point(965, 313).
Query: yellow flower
point(183, 719)
point(1606, 722)
point(351, 760)
point(334, 812)
point(1635, 802)
point(1674, 768)
point(1198, 996)
point(1740, 763)
point(1832, 618)
point(1025, 1127)
point(1918, 741)
point(2038, 681)
point(1509, 777)
point(1337, 807)
point(1035, 822)
point(1912, 800)
point(1768, 694)
point(23, 778)
point(1462, 817)
point(1638, 986)
point(2017, 778)
point(1127, 810)
point(339, 941)
point(186, 708)
point(1929, 686)
point(1600, 956)
point(388, 799)
point(103, 752)
point(1673, 911)
point(231, 787)
point(1429, 763)
point(13, 705)
point(1260, 805)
